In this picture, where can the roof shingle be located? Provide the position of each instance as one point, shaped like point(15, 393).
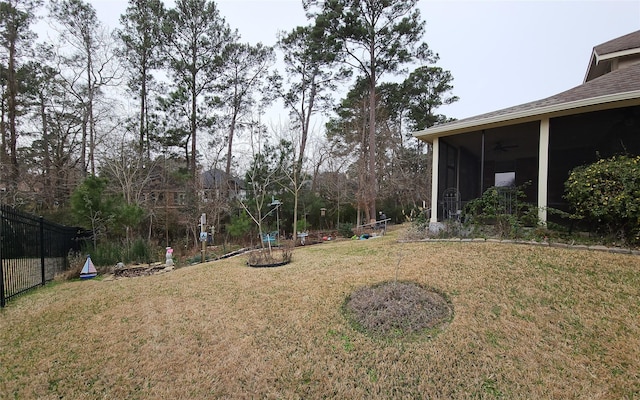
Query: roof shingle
point(626, 42)
point(619, 81)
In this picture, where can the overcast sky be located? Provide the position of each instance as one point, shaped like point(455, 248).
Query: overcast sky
point(501, 53)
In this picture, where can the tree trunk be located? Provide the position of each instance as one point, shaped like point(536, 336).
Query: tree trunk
point(372, 143)
point(295, 213)
point(92, 123)
point(232, 129)
point(12, 87)
point(143, 109)
point(227, 170)
point(3, 137)
point(50, 194)
point(192, 162)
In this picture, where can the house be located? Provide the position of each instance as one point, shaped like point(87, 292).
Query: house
point(167, 191)
point(541, 141)
point(164, 190)
point(215, 183)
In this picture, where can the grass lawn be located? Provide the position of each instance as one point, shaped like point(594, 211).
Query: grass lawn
point(529, 323)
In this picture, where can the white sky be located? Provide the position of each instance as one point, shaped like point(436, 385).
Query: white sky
point(501, 53)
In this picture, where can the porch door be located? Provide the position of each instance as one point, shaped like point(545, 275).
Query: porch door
point(449, 159)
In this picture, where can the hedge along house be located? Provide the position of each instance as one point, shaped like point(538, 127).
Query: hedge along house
point(541, 141)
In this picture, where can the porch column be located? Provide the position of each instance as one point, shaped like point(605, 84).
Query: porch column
point(543, 170)
point(434, 179)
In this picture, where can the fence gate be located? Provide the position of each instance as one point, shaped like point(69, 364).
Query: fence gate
point(32, 251)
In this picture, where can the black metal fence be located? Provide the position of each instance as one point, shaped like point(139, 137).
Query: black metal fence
point(32, 251)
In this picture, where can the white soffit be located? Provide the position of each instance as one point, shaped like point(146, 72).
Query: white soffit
point(616, 54)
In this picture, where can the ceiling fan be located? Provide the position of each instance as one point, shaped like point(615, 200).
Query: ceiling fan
point(499, 146)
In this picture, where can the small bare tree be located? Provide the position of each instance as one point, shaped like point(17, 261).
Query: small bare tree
point(262, 176)
point(129, 175)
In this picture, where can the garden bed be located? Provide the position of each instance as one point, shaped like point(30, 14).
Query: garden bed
point(267, 258)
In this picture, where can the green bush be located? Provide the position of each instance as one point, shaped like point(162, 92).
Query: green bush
point(503, 208)
point(106, 253)
point(345, 229)
point(302, 225)
point(421, 220)
point(111, 253)
point(240, 225)
point(607, 194)
point(140, 252)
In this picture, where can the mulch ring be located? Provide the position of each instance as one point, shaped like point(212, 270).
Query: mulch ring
point(398, 309)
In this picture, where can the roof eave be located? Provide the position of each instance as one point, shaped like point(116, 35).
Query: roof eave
point(596, 59)
point(524, 116)
point(593, 61)
point(618, 54)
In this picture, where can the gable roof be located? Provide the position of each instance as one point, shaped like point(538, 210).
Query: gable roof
point(602, 54)
point(626, 42)
point(213, 178)
point(608, 91)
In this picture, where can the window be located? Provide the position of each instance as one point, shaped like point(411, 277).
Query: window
point(181, 198)
point(505, 179)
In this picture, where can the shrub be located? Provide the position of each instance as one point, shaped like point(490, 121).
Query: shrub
point(419, 228)
point(302, 225)
point(140, 252)
point(345, 229)
point(503, 208)
point(240, 225)
point(607, 194)
point(106, 253)
point(111, 253)
point(76, 263)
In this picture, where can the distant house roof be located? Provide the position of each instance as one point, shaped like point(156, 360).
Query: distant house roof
point(215, 177)
point(613, 89)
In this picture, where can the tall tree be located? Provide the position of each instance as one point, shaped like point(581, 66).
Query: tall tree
point(196, 39)
point(376, 37)
point(140, 37)
point(88, 66)
point(426, 89)
point(306, 89)
point(174, 111)
point(402, 107)
point(347, 133)
point(243, 77)
point(16, 17)
point(50, 153)
point(309, 78)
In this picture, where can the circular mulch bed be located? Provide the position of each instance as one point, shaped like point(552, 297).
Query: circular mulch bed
point(266, 258)
point(398, 309)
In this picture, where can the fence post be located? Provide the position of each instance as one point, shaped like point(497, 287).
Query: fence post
point(44, 279)
point(3, 301)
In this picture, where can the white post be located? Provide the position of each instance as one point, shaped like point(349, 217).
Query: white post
point(203, 233)
point(434, 179)
point(543, 170)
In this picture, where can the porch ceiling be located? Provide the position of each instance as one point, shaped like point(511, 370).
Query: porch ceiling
point(500, 144)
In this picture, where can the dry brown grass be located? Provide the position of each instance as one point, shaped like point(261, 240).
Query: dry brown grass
point(530, 323)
